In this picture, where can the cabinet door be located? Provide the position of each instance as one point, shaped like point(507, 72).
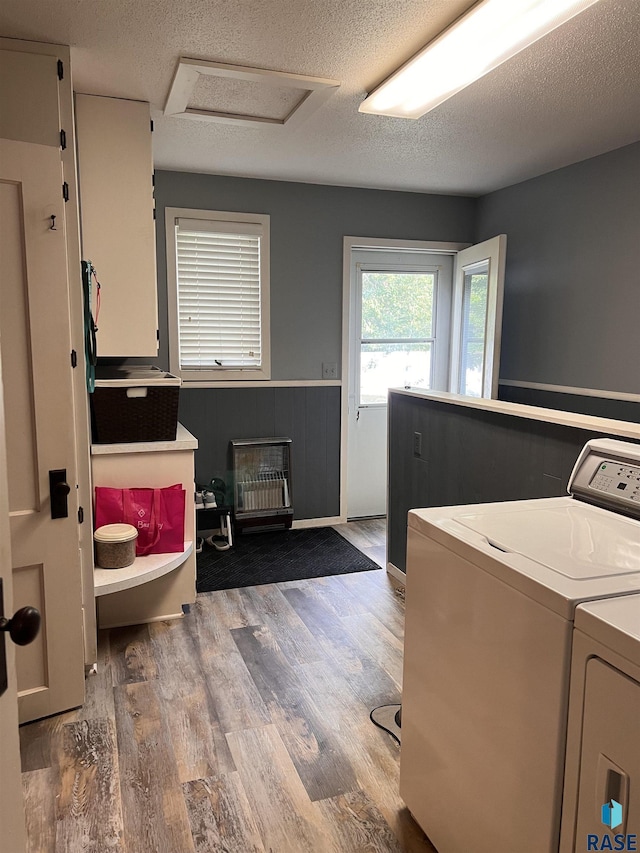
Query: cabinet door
point(115, 165)
point(29, 98)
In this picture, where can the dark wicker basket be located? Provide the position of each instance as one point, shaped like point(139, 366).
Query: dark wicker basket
point(117, 418)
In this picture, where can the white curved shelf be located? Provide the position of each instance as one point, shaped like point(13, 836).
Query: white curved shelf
point(142, 570)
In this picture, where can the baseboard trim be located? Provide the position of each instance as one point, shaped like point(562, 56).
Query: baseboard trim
point(328, 521)
point(396, 573)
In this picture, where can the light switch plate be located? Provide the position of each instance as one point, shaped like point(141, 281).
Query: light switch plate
point(329, 370)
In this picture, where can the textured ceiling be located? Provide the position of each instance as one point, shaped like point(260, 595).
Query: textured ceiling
point(572, 95)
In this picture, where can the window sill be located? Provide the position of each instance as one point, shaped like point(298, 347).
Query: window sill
point(265, 383)
point(215, 378)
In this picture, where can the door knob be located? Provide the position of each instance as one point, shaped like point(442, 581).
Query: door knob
point(59, 490)
point(23, 627)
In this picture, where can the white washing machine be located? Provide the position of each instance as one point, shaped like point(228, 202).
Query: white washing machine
point(490, 600)
point(603, 737)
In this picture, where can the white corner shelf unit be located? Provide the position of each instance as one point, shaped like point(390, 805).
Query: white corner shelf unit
point(142, 570)
point(157, 586)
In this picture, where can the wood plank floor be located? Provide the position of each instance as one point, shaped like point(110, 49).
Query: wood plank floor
point(242, 728)
point(369, 536)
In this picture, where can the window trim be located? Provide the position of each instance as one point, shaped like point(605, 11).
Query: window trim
point(214, 377)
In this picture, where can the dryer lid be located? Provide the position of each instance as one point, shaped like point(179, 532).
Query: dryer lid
point(573, 539)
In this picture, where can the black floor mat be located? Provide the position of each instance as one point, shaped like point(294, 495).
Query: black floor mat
point(258, 558)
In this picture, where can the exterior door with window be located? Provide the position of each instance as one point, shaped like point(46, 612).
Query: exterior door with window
point(401, 306)
point(415, 321)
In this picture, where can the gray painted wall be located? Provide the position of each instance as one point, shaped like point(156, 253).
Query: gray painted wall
point(572, 288)
point(308, 416)
point(572, 293)
point(308, 223)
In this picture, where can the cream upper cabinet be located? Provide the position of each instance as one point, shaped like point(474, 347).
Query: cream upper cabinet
point(29, 107)
point(115, 167)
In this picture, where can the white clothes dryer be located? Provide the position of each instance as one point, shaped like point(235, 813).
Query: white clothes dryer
point(491, 593)
point(603, 737)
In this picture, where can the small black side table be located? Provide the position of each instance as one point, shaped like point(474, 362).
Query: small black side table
point(208, 517)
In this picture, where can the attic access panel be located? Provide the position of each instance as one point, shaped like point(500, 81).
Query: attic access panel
point(287, 98)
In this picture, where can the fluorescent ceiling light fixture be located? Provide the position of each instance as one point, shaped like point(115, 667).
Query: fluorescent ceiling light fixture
point(489, 34)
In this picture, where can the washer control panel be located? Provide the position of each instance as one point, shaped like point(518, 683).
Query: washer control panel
point(607, 474)
point(618, 480)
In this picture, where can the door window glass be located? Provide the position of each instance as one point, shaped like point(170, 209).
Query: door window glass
point(397, 332)
point(474, 322)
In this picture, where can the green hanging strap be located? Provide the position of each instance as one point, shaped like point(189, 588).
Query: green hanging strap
point(90, 328)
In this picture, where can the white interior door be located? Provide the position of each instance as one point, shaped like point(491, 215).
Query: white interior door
point(400, 323)
point(38, 402)
point(477, 318)
point(11, 804)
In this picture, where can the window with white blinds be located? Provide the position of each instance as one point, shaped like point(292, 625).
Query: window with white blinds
point(220, 329)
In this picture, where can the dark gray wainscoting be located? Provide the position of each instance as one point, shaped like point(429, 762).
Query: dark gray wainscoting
point(310, 416)
point(619, 410)
point(470, 456)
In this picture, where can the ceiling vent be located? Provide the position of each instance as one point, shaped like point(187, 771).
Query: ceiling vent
point(247, 96)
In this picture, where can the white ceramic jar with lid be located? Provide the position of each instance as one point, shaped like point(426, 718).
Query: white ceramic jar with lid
point(115, 545)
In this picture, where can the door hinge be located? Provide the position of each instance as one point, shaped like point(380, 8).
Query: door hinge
point(65, 191)
point(63, 140)
point(151, 123)
point(80, 515)
point(60, 70)
point(74, 358)
point(158, 335)
point(154, 213)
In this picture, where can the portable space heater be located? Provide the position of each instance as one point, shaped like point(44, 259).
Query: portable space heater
point(262, 483)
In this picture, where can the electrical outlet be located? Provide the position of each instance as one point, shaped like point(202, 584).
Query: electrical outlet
point(329, 370)
point(417, 444)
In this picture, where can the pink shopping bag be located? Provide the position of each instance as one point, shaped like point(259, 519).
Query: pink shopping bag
point(157, 515)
